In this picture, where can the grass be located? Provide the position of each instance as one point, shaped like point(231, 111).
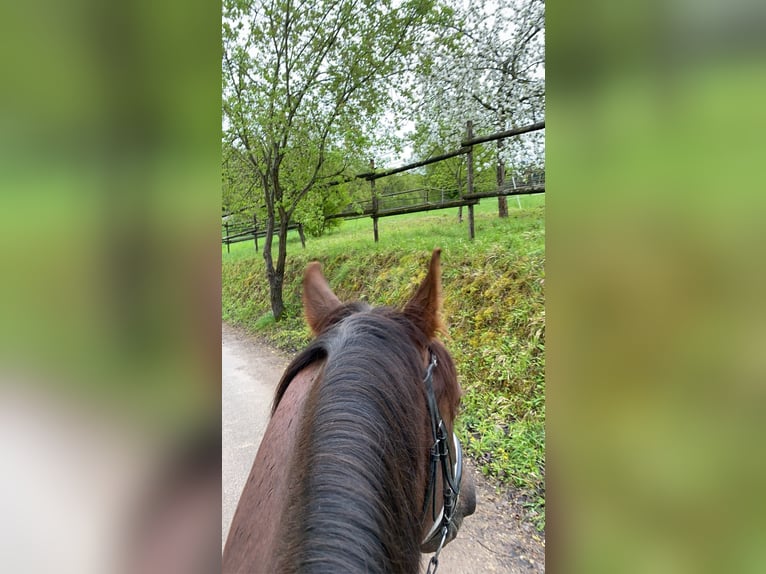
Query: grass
point(493, 306)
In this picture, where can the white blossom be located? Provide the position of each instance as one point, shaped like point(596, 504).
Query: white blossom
point(491, 71)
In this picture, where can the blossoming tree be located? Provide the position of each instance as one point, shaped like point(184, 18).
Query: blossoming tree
point(488, 68)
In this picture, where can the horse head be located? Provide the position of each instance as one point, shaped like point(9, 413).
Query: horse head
point(446, 485)
point(359, 469)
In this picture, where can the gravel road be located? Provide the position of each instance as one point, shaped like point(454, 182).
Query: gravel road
point(494, 539)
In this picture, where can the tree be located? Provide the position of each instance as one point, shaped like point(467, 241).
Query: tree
point(301, 82)
point(448, 174)
point(491, 72)
point(238, 186)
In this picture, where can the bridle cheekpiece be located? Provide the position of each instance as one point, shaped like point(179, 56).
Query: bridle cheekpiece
point(452, 473)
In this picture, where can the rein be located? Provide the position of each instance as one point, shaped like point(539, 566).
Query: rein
point(452, 472)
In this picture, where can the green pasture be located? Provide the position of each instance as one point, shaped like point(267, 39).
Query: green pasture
point(404, 229)
point(493, 307)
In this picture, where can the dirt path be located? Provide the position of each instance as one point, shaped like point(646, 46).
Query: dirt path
point(494, 539)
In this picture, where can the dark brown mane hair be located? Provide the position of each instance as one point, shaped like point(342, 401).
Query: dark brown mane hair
point(362, 452)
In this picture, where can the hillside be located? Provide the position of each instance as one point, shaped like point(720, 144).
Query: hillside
point(493, 306)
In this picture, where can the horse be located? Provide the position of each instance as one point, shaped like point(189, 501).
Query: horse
point(359, 469)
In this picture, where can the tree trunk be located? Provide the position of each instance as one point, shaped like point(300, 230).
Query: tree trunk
point(275, 295)
point(275, 282)
point(302, 235)
point(275, 273)
point(282, 252)
point(502, 206)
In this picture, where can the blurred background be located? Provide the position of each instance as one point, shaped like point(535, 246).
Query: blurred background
point(110, 310)
point(109, 296)
point(655, 282)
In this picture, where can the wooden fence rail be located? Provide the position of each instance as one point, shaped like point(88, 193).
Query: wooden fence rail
point(243, 232)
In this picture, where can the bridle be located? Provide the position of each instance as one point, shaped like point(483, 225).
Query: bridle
point(452, 473)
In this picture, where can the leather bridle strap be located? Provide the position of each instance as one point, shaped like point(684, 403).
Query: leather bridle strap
point(451, 474)
point(434, 418)
point(457, 470)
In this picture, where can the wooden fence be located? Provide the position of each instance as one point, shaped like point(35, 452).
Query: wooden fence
point(239, 232)
point(377, 206)
point(417, 200)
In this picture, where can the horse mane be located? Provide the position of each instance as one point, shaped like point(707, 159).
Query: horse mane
point(316, 350)
point(360, 461)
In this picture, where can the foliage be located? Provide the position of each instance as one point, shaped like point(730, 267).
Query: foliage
point(399, 182)
point(239, 187)
point(493, 304)
point(318, 204)
point(448, 174)
point(301, 84)
point(505, 446)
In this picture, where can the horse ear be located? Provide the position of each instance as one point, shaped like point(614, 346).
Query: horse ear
point(424, 307)
point(318, 299)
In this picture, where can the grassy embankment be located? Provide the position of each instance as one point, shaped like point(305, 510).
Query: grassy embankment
point(493, 307)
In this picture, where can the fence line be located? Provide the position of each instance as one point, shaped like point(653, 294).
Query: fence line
point(377, 207)
point(243, 232)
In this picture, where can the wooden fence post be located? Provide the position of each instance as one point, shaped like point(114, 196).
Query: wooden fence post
point(502, 201)
point(228, 243)
point(255, 231)
point(300, 234)
point(469, 178)
point(374, 203)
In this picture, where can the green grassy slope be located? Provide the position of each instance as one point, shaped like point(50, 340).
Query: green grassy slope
point(493, 307)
